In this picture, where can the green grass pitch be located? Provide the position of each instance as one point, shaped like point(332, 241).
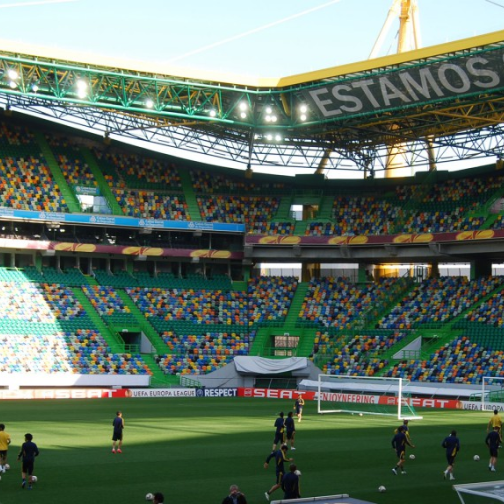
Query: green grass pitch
point(193, 449)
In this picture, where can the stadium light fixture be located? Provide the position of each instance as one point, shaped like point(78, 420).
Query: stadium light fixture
point(13, 84)
point(243, 107)
point(34, 87)
point(82, 88)
point(303, 112)
point(149, 103)
point(212, 113)
point(269, 115)
point(12, 74)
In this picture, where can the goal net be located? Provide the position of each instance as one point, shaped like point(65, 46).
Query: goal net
point(365, 395)
point(492, 391)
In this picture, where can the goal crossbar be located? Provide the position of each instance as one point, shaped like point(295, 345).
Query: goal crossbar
point(364, 395)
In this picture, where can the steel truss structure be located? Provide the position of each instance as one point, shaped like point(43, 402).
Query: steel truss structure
point(294, 122)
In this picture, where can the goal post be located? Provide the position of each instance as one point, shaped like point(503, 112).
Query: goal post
point(492, 391)
point(370, 395)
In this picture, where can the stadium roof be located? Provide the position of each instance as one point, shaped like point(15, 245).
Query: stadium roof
point(443, 102)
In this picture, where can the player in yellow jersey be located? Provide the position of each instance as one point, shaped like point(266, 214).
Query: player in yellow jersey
point(495, 423)
point(5, 441)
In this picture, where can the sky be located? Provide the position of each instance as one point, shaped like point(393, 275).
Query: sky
point(266, 38)
point(256, 38)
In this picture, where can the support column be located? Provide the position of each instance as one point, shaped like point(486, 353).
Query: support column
point(480, 269)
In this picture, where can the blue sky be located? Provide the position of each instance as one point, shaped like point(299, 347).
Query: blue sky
point(266, 38)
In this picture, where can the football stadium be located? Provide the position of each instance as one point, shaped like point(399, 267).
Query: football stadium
point(160, 310)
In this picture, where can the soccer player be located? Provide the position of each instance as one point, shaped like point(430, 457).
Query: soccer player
point(495, 421)
point(29, 451)
point(117, 435)
point(298, 406)
point(290, 484)
point(279, 430)
point(280, 457)
point(493, 442)
point(399, 442)
point(406, 431)
point(452, 445)
point(290, 430)
point(5, 441)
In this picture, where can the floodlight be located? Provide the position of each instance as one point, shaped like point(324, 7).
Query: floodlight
point(303, 109)
point(243, 115)
point(243, 106)
point(149, 103)
point(81, 86)
point(269, 136)
point(12, 84)
point(35, 88)
point(12, 74)
point(278, 138)
point(269, 110)
point(212, 113)
point(303, 117)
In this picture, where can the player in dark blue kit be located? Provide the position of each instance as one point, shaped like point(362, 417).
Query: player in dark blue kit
point(29, 451)
point(399, 442)
point(290, 484)
point(452, 445)
point(298, 406)
point(493, 442)
point(279, 431)
point(290, 430)
point(280, 459)
point(117, 435)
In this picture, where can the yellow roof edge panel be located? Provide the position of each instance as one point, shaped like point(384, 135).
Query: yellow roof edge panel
point(60, 54)
point(394, 59)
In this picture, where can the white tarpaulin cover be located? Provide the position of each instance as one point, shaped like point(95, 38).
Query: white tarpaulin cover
point(260, 365)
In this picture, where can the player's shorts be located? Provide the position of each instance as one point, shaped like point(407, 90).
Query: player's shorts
point(494, 452)
point(279, 438)
point(27, 466)
point(279, 477)
point(3, 453)
point(299, 409)
point(450, 459)
point(117, 435)
point(290, 435)
point(400, 454)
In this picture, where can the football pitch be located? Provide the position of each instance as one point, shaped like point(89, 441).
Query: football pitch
point(192, 449)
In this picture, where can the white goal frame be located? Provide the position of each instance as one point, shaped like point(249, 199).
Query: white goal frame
point(490, 491)
point(487, 389)
point(364, 389)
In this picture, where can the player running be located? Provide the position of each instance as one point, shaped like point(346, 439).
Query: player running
point(399, 442)
point(452, 445)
